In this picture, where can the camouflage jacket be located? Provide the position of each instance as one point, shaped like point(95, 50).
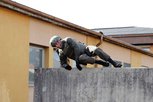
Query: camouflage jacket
point(71, 49)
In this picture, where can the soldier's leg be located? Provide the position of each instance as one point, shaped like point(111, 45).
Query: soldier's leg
point(99, 52)
point(85, 59)
point(102, 63)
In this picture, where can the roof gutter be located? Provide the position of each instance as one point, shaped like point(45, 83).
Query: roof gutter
point(131, 35)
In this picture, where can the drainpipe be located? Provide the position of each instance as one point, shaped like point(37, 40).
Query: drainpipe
point(101, 39)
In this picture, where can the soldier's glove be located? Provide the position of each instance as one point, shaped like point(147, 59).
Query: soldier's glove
point(67, 67)
point(78, 66)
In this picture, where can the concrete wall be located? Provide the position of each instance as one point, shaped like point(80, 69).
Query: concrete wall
point(94, 85)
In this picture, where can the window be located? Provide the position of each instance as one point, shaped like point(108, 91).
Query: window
point(36, 60)
point(146, 48)
point(56, 62)
point(126, 64)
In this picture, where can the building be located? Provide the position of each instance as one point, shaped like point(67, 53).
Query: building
point(24, 37)
point(138, 36)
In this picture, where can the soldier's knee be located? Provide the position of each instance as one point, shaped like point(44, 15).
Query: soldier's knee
point(99, 52)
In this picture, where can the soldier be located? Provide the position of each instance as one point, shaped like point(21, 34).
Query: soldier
point(81, 53)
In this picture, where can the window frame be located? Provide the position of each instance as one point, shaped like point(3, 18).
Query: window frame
point(43, 61)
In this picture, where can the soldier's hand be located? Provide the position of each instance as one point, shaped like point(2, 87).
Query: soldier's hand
point(79, 67)
point(67, 67)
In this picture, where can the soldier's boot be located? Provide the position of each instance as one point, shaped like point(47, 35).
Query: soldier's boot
point(115, 64)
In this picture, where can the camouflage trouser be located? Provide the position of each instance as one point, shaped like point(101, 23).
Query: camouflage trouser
point(94, 51)
point(99, 52)
point(85, 59)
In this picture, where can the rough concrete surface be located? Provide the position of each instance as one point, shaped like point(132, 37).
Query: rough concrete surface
point(94, 85)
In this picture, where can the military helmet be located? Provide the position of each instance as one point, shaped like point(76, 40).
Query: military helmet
point(54, 40)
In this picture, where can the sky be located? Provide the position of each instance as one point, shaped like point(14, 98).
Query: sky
point(97, 13)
